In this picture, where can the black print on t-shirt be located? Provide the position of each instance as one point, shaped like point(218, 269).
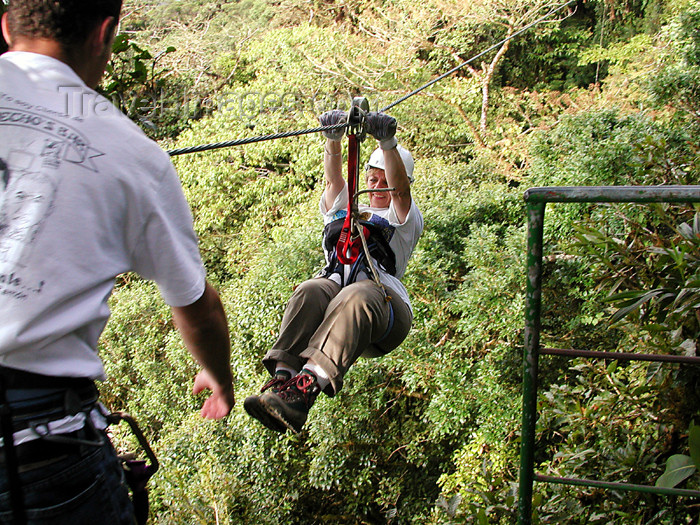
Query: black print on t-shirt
point(23, 210)
point(63, 142)
point(26, 201)
point(37, 146)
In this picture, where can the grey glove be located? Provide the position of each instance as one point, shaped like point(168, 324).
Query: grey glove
point(383, 128)
point(331, 118)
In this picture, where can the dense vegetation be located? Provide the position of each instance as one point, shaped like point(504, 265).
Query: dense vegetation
point(604, 93)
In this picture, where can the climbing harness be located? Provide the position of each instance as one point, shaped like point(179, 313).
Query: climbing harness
point(377, 246)
point(30, 406)
point(33, 405)
point(352, 248)
point(352, 240)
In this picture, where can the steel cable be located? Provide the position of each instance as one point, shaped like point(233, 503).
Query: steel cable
point(274, 136)
point(250, 140)
point(472, 59)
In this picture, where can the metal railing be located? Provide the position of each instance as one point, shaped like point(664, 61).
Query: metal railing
point(536, 199)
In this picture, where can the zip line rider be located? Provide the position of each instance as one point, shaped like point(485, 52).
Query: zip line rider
point(342, 314)
point(84, 196)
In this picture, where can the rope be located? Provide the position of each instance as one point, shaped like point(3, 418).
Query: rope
point(250, 140)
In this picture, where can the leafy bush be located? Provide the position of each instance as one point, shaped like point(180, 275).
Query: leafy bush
point(429, 433)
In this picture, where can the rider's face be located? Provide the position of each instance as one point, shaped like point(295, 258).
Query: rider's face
point(376, 179)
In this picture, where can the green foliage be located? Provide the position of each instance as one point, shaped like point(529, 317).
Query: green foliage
point(676, 301)
point(600, 429)
point(429, 433)
point(482, 489)
point(652, 275)
point(601, 148)
point(548, 60)
point(594, 149)
point(145, 360)
point(679, 79)
point(678, 468)
point(139, 86)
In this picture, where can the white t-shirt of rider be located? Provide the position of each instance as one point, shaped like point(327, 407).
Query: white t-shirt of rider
point(84, 197)
point(403, 236)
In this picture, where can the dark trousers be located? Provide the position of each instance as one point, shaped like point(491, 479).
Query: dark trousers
point(78, 480)
point(85, 487)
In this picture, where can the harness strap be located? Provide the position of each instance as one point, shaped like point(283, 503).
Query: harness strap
point(137, 472)
point(390, 325)
point(348, 247)
point(11, 464)
point(353, 235)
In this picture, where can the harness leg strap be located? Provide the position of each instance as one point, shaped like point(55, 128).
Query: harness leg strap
point(390, 325)
point(19, 516)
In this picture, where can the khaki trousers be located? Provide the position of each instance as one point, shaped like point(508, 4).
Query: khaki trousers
point(332, 327)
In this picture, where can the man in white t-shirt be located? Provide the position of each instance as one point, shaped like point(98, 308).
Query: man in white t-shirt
point(84, 197)
point(342, 314)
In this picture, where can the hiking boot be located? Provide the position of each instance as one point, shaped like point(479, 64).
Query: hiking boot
point(254, 409)
point(290, 406)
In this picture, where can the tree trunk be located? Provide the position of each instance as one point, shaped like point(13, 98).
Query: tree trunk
point(486, 82)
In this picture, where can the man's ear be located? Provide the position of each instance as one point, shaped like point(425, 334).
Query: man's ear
point(102, 35)
point(5, 30)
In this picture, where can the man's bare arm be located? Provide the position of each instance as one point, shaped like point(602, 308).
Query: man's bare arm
point(204, 330)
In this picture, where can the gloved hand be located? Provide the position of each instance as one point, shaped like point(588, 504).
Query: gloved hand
point(330, 118)
point(383, 128)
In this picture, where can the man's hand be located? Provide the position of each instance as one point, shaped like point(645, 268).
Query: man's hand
point(221, 401)
point(331, 118)
point(383, 128)
point(204, 330)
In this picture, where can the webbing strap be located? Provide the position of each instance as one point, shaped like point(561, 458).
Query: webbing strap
point(353, 235)
point(389, 326)
point(19, 516)
point(348, 248)
point(137, 472)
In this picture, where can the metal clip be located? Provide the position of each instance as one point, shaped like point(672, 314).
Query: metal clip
point(116, 417)
point(42, 431)
point(356, 118)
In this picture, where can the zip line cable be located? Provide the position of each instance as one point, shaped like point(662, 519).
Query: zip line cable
point(250, 140)
point(497, 45)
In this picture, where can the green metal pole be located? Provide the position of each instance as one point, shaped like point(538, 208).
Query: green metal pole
point(649, 489)
point(536, 199)
point(533, 303)
point(642, 194)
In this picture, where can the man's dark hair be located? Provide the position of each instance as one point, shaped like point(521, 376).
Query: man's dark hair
point(66, 21)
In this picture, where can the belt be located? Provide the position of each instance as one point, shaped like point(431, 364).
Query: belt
point(28, 405)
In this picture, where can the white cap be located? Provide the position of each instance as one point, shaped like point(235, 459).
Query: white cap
point(376, 160)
